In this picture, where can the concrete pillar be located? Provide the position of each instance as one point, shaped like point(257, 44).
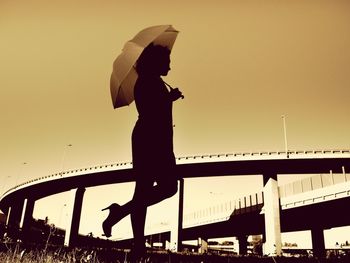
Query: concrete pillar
point(318, 245)
point(14, 218)
point(6, 228)
point(202, 246)
point(176, 229)
point(26, 218)
point(74, 212)
point(242, 244)
point(273, 243)
point(27, 212)
point(8, 213)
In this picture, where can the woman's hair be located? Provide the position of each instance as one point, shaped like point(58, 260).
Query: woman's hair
point(151, 58)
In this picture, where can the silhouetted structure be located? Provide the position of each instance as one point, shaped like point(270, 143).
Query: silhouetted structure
point(22, 198)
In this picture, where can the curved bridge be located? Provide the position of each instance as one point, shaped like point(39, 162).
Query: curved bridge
point(268, 164)
point(18, 202)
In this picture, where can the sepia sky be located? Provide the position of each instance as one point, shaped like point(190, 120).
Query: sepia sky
point(240, 64)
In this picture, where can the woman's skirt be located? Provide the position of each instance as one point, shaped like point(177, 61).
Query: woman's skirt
point(152, 153)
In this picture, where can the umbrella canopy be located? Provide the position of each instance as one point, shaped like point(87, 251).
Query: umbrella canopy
point(124, 74)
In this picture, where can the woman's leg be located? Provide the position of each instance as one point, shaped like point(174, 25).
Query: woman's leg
point(138, 210)
point(163, 190)
point(145, 194)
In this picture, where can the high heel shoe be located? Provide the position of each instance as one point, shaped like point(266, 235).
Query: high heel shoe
point(113, 217)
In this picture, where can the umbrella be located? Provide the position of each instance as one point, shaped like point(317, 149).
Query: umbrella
point(124, 75)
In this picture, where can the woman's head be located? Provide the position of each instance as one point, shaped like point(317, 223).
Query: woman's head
point(154, 60)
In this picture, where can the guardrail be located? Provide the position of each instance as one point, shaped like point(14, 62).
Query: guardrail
point(241, 156)
point(313, 183)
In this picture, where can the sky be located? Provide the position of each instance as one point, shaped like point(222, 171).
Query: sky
point(240, 64)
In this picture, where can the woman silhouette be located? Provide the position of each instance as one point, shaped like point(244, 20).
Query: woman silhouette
point(152, 144)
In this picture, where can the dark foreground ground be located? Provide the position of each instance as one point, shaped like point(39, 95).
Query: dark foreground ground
point(14, 254)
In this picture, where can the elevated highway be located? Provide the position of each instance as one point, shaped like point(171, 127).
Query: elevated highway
point(268, 164)
point(18, 202)
point(300, 209)
point(304, 205)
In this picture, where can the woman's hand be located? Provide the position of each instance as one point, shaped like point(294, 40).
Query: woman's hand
point(175, 94)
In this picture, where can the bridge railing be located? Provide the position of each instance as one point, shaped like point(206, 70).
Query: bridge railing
point(215, 213)
point(313, 183)
point(73, 172)
point(223, 211)
point(254, 202)
point(263, 155)
point(249, 203)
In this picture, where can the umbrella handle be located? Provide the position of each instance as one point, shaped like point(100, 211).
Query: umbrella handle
point(171, 88)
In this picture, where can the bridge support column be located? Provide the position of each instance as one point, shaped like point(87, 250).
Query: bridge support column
point(202, 245)
point(7, 222)
point(273, 243)
point(26, 218)
point(318, 245)
point(7, 212)
point(242, 244)
point(14, 218)
point(74, 213)
point(176, 229)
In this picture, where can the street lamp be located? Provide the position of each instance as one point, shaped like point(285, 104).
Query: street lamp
point(285, 135)
point(63, 157)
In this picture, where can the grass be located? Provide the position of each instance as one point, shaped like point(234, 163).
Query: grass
point(75, 256)
point(15, 253)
